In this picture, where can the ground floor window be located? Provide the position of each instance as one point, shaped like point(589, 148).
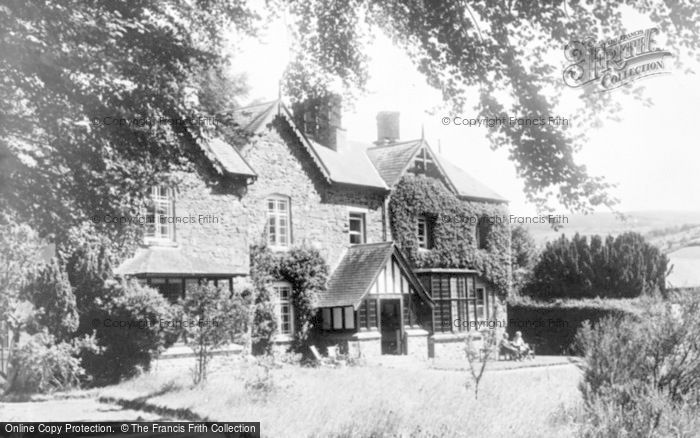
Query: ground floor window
point(338, 318)
point(283, 307)
point(174, 288)
point(462, 302)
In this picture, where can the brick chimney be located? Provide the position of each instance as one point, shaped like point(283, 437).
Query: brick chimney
point(320, 119)
point(387, 127)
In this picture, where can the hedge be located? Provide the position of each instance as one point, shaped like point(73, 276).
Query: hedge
point(552, 326)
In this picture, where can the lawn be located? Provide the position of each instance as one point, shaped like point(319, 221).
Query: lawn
point(372, 400)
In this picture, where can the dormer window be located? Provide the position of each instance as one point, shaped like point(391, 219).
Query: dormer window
point(424, 232)
point(278, 222)
point(160, 226)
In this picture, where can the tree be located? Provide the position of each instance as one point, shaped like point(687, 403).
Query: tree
point(478, 356)
point(213, 318)
point(20, 255)
point(623, 267)
point(54, 302)
point(481, 52)
point(523, 255)
point(74, 74)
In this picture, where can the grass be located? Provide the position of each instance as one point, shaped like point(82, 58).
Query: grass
point(373, 401)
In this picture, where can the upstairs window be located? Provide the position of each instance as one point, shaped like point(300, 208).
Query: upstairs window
point(481, 232)
point(284, 308)
point(424, 232)
point(357, 228)
point(278, 222)
point(160, 224)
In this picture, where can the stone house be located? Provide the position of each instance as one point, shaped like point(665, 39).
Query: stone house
point(298, 181)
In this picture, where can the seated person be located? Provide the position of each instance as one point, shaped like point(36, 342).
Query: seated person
point(520, 344)
point(507, 348)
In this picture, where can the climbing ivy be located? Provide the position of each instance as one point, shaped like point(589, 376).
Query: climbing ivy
point(306, 270)
point(453, 223)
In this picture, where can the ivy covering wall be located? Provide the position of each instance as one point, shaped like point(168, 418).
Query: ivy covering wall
point(453, 223)
point(307, 272)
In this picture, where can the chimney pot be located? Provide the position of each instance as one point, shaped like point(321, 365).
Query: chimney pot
point(387, 127)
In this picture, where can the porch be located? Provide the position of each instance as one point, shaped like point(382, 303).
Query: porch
point(375, 305)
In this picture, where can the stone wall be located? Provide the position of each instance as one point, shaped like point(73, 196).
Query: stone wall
point(354, 344)
point(319, 212)
point(417, 343)
point(228, 218)
point(218, 232)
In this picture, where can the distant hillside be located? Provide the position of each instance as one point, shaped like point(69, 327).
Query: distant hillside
point(669, 230)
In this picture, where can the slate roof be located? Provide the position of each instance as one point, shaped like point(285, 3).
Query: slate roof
point(391, 161)
point(357, 272)
point(349, 166)
point(466, 185)
point(361, 164)
point(253, 118)
point(164, 260)
point(228, 158)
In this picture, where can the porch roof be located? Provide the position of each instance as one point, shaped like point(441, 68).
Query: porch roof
point(359, 269)
point(163, 260)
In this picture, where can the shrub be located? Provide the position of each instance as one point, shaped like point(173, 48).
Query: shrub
point(43, 365)
point(639, 374)
point(552, 326)
point(54, 303)
point(214, 317)
point(622, 267)
point(307, 272)
point(130, 324)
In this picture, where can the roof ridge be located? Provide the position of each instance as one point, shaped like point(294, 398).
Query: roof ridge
point(271, 102)
point(400, 143)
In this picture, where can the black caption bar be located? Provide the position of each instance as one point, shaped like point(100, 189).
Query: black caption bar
point(136, 429)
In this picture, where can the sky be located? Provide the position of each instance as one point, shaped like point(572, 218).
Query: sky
point(651, 153)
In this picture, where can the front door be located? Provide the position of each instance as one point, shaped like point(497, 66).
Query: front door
point(391, 326)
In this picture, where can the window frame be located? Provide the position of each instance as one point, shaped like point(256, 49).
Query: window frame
point(362, 233)
point(426, 243)
point(158, 202)
point(274, 231)
point(277, 287)
point(482, 230)
point(459, 304)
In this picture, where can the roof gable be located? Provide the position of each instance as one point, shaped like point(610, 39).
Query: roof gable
point(394, 160)
point(358, 271)
point(377, 167)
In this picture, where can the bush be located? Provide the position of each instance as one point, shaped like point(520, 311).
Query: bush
point(641, 376)
point(42, 365)
point(307, 272)
point(214, 317)
point(132, 324)
point(552, 326)
point(622, 267)
point(54, 303)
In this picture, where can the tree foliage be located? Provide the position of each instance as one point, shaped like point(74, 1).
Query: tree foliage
point(641, 376)
point(493, 55)
point(212, 318)
point(71, 70)
point(625, 266)
point(54, 302)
